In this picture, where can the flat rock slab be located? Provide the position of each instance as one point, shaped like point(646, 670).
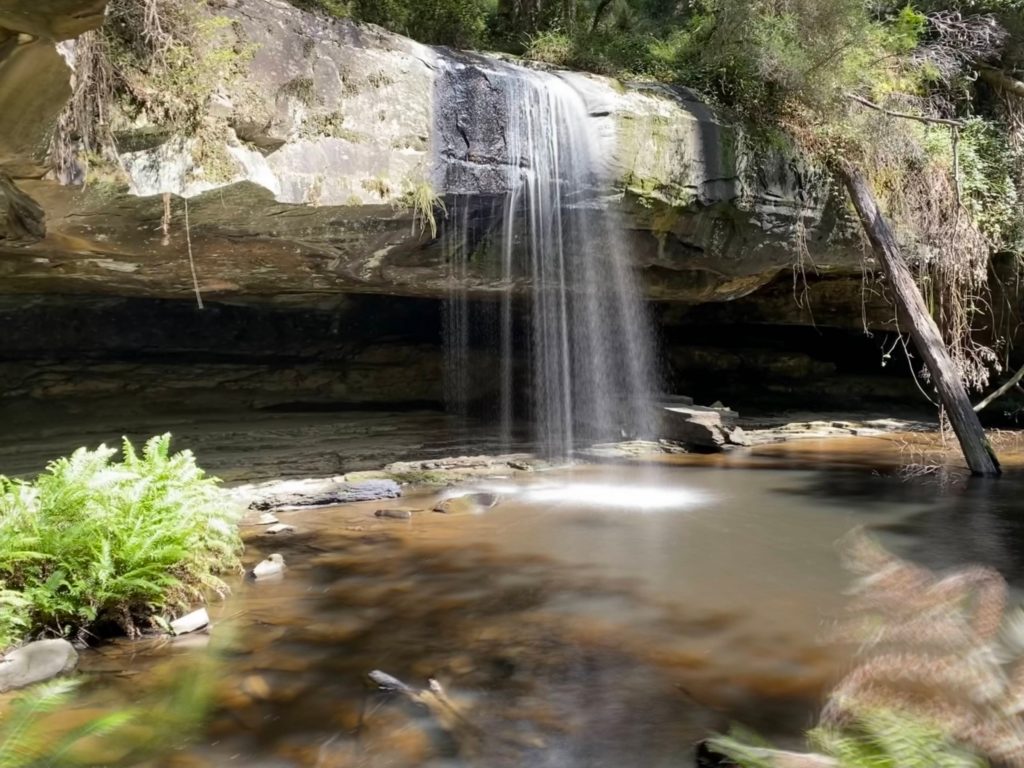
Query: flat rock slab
point(36, 662)
point(322, 494)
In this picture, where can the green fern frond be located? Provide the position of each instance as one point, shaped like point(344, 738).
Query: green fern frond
point(93, 537)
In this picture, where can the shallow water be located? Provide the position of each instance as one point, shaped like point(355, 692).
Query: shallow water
point(603, 616)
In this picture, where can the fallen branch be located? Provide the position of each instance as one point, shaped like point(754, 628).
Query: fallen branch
point(1013, 382)
point(435, 700)
point(905, 115)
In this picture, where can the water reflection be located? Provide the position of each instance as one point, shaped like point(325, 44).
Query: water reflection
point(566, 631)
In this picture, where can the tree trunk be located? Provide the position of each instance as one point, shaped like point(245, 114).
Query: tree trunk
point(569, 15)
point(979, 454)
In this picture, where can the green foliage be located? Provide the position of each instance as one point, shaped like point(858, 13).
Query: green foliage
point(339, 9)
point(27, 739)
point(880, 738)
point(424, 202)
point(459, 23)
point(888, 739)
point(987, 163)
point(34, 733)
point(171, 66)
point(91, 540)
point(153, 63)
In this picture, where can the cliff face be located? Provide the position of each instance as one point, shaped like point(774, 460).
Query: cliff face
point(301, 185)
point(325, 133)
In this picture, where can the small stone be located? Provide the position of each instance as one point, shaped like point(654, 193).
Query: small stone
point(191, 622)
point(395, 514)
point(272, 566)
point(280, 528)
point(36, 662)
point(256, 687)
point(267, 519)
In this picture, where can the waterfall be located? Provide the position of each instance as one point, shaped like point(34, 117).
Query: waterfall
point(550, 238)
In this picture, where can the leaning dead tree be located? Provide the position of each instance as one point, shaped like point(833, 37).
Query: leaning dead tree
point(913, 312)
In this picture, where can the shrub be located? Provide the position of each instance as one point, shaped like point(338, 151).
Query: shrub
point(459, 23)
point(92, 541)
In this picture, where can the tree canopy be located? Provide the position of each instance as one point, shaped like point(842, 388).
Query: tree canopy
point(923, 96)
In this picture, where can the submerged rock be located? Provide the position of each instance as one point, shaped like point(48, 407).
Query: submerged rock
point(394, 514)
point(467, 504)
point(322, 493)
point(36, 662)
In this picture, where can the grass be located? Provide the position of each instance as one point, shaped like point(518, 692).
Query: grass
point(424, 202)
point(94, 544)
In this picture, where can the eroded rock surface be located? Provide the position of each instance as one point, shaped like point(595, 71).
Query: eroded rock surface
point(326, 134)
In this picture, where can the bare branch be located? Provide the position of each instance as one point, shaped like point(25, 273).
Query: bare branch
point(905, 115)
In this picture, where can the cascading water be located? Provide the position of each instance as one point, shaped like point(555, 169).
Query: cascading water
point(582, 333)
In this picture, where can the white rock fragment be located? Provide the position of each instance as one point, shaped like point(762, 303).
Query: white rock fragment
point(272, 566)
point(191, 622)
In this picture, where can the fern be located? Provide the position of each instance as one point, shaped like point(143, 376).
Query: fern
point(92, 539)
point(879, 738)
point(32, 734)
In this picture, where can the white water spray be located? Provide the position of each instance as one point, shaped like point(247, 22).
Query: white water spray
point(584, 334)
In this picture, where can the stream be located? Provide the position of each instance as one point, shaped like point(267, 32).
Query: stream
point(602, 615)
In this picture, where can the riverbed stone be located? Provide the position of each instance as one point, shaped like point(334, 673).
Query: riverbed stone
point(466, 504)
point(35, 662)
point(394, 514)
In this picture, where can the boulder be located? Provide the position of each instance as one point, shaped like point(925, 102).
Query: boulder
point(709, 429)
point(36, 662)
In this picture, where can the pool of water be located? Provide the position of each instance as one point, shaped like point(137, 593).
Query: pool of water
point(597, 616)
